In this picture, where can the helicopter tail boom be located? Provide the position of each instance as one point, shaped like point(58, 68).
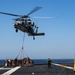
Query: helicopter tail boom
point(37, 34)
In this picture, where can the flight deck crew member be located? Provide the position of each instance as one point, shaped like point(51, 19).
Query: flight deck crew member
point(49, 63)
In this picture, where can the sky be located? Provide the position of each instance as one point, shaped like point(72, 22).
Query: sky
point(59, 39)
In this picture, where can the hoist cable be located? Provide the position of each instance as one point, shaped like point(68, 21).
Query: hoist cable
point(23, 45)
point(22, 49)
point(23, 40)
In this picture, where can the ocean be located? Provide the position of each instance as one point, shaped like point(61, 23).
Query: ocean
point(44, 61)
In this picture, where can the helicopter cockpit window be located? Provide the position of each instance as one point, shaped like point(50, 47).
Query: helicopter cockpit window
point(17, 22)
point(22, 21)
point(29, 22)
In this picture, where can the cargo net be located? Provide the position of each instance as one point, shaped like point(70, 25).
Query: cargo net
point(20, 60)
point(22, 54)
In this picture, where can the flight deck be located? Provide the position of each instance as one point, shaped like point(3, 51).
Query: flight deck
point(37, 70)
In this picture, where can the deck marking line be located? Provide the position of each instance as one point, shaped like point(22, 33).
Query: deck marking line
point(62, 66)
point(5, 68)
point(11, 71)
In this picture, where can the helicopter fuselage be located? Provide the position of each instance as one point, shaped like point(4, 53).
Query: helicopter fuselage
point(24, 28)
point(28, 27)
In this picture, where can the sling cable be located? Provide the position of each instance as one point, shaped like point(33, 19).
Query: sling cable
point(22, 51)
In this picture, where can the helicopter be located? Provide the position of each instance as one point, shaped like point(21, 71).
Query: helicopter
point(24, 23)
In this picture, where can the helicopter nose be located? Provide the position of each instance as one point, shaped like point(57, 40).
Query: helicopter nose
point(14, 23)
point(15, 26)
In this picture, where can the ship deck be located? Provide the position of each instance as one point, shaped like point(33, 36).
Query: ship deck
point(37, 70)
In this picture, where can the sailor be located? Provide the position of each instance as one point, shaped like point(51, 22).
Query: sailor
point(16, 61)
point(49, 63)
point(9, 62)
point(6, 63)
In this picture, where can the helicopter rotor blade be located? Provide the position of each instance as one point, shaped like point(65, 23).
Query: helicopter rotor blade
point(36, 17)
point(34, 10)
point(9, 14)
point(43, 17)
point(23, 16)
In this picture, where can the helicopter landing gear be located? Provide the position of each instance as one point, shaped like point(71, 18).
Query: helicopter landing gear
point(33, 38)
point(16, 30)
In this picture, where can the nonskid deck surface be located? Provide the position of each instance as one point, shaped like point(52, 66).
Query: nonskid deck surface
point(38, 70)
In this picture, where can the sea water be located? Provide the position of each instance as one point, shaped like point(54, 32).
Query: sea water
point(44, 61)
